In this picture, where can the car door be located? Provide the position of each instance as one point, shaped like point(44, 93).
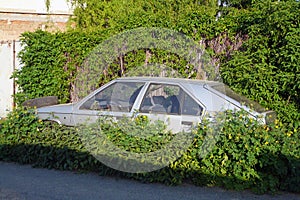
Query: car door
point(171, 104)
point(115, 99)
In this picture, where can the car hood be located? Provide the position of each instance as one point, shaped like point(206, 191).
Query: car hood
point(60, 108)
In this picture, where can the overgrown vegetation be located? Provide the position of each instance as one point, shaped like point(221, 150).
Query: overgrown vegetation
point(266, 68)
point(246, 154)
point(255, 44)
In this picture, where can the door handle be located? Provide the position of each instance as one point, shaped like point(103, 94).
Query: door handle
point(187, 123)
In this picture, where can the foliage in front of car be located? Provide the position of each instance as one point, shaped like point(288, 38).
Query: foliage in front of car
point(246, 154)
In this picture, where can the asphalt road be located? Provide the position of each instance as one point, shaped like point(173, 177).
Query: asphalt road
point(24, 182)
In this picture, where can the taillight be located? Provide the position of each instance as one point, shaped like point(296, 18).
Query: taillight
point(270, 117)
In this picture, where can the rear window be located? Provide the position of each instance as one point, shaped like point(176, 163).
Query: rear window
point(224, 89)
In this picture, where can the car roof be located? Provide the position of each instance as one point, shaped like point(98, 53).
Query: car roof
point(171, 80)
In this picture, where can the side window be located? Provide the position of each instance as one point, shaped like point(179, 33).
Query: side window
point(119, 96)
point(190, 106)
point(169, 99)
point(161, 98)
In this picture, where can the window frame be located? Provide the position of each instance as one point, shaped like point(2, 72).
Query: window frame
point(105, 87)
point(180, 97)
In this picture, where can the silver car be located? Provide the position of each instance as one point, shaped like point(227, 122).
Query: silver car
point(180, 103)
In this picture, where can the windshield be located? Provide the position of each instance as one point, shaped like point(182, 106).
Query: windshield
point(224, 89)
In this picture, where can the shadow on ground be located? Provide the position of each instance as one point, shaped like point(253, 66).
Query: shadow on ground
point(284, 173)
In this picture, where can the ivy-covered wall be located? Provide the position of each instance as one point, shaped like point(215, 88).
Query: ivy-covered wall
point(255, 45)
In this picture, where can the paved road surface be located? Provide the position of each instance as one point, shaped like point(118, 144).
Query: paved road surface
point(24, 182)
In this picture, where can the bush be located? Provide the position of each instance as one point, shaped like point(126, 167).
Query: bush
point(249, 155)
point(245, 155)
point(266, 68)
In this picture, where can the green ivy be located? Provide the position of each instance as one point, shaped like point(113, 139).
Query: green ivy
point(246, 155)
point(266, 69)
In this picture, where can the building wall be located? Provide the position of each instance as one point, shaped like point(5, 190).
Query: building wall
point(36, 6)
point(11, 27)
point(9, 63)
point(16, 17)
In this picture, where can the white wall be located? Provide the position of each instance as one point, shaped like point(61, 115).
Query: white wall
point(36, 6)
point(7, 59)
